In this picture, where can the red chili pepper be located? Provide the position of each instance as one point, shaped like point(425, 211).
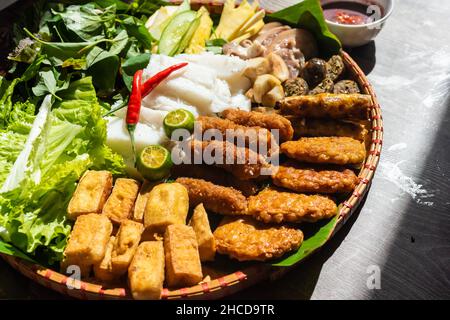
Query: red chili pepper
point(151, 83)
point(134, 107)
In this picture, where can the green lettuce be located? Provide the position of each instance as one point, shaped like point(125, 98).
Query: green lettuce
point(63, 140)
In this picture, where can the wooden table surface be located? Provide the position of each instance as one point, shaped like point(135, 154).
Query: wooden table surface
point(403, 227)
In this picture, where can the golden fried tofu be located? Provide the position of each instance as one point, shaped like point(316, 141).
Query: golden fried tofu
point(168, 203)
point(88, 241)
point(127, 241)
point(91, 193)
point(146, 271)
point(141, 201)
point(205, 239)
point(183, 267)
point(119, 205)
point(103, 270)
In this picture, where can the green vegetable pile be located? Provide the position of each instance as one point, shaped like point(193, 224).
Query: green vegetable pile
point(65, 76)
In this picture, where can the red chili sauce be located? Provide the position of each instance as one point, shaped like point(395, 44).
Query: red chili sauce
point(346, 12)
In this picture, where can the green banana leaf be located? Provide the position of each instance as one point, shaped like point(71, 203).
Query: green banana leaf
point(316, 235)
point(9, 249)
point(308, 14)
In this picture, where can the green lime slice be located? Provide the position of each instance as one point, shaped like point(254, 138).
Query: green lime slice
point(178, 119)
point(154, 162)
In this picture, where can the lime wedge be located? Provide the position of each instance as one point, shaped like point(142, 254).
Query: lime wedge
point(154, 162)
point(178, 119)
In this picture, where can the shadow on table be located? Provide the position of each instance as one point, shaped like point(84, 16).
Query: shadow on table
point(417, 263)
point(365, 56)
point(300, 282)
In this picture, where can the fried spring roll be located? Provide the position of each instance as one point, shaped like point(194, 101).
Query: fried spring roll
point(146, 271)
point(218, 199)
point(243, 163)
point(120, 203)
point(315, 180)
point(214, 175)
point(329, 128)
point(230, 131)
point(327, 105)
point(263, 120)
point(275, 206)
point(183, 267)
point(91, 193)
point(334, 150)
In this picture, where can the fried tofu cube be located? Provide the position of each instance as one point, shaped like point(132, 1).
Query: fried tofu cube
point(146, 271)
point(120, 203)
point(183, 267)
point(141, 201)
point(88, 241)
point(127, 241)
point(168, 203)
point(103, 270)
point(91, 193)
point(205, 238)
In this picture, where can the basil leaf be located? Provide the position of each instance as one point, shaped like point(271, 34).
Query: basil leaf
point(133, 64)
point(120, 42)
point(87, 21)
point(102, 66)
point(137, 29)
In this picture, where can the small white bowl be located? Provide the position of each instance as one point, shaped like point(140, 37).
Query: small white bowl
point(358, 35)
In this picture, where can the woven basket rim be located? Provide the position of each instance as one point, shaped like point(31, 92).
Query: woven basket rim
point(240, 279)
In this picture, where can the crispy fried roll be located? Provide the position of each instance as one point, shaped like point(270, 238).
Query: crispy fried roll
point(259, 119)
point(218, 199)
point(327, 105)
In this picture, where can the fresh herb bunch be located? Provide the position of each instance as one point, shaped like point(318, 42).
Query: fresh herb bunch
point(104, 39)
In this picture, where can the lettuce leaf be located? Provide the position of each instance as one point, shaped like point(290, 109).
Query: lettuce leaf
point(71, 139)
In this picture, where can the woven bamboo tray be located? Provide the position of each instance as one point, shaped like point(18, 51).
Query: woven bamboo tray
point(244, 275)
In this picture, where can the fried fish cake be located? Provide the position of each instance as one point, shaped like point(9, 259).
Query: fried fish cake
point(120, 203)
point(91, 193)
point(218, 199)
point(328, 105)
point(333, 150)
point(263, 120)
point(245, 239)
point(315, 180)
point(146, 271)
point(271, 205)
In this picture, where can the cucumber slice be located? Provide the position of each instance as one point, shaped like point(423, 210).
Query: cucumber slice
point(174, 32)
point(188, 35)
